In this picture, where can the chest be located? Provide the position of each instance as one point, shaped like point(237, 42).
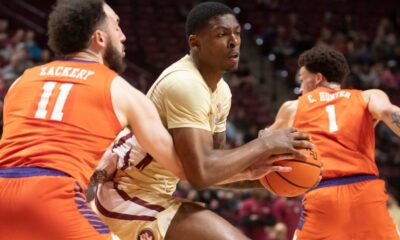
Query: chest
point(216, 111)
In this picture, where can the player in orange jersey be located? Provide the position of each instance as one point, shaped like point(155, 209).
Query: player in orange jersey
point(60, 117)
point(350, 201)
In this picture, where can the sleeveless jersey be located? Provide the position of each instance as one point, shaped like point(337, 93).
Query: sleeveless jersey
point(59, 116)
point(342, 128)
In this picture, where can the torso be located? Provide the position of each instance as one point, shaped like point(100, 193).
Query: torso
point(59, 116)
point(341, 127)
point(182, 99)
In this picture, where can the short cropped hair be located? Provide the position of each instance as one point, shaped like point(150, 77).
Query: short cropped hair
point(325, 60)
point(200, 14)
point(72, 23)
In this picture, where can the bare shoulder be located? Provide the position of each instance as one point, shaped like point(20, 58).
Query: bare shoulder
point(119, 86)
point(288, 107)
point(126, 100)
point(286, 114)
point(368, 94)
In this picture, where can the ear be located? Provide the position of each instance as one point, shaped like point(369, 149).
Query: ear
point(194, 42)
point(319, 78)
point(99, 38)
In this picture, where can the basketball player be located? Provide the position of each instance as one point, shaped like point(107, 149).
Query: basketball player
point(193, 101)
point(350, 201)
point(58, 120)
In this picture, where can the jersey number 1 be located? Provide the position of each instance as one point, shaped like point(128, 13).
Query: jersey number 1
point(57, 113)
point(330, 109)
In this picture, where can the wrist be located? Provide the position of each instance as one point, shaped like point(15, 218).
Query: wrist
point(100, 176)
point(263, 137)
point(245, 174)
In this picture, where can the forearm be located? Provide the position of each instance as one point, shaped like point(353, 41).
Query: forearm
point(167, 156)
point(156, 140)
point(227, 165)
point(206, 166)
point(247, 184)
point(242, 176)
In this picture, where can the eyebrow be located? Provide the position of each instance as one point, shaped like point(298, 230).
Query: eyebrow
point(216, 27)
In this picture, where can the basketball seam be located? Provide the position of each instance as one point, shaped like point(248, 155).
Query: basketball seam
point(291, 181)
point(269, 184)
point(312, 164)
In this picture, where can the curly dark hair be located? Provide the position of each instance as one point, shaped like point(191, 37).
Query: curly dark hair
point(200, 14)
point(329, 62)
point(71, 24)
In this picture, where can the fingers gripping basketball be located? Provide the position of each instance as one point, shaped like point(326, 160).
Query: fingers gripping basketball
point(305, 174)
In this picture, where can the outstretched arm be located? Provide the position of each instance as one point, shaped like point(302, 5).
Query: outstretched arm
point(135, 110)
point(381, 108)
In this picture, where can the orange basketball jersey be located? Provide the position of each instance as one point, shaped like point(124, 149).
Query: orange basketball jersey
point(59, 116)
point(342, 128)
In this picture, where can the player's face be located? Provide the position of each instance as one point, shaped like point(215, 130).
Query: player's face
point(115, 49)
point(113, 58)
point(308, 81)
point(117, 36)
point(220, 43)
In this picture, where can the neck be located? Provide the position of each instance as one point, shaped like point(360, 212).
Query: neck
point(333, 86)
point(210, 75)
point(87, 54)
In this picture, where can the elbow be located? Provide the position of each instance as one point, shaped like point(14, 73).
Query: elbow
point(198, 186)
point(199, 180)
point(385, 113)
point(390, 115)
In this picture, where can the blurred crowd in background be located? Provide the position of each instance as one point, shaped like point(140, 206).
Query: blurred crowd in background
point(367, 32)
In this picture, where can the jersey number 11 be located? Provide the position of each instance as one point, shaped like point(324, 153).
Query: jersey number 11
point(57, 113)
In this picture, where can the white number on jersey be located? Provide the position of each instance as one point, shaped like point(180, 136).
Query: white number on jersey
point(333, 127)
point(57, 113)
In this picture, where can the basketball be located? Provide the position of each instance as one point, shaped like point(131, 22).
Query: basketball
point(305, 174)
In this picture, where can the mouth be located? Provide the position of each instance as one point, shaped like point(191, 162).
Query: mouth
point(234, 56)
point(123, 50)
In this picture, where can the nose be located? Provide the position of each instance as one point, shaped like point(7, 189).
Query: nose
point(122, 37)
point(234, 41)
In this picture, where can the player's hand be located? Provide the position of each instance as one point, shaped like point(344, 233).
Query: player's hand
point(145, 236)
point(106, 167)
point(264, 166)
point(137, 152)
point(285, 141)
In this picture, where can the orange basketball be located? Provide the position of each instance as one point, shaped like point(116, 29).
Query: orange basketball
point(305, 174)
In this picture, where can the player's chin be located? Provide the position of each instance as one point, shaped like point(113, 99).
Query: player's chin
point(232, 67)
point(122, 52)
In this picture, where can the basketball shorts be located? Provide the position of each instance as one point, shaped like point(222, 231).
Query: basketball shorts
point(45, 204)
point(142, 215)
point(351, 207)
